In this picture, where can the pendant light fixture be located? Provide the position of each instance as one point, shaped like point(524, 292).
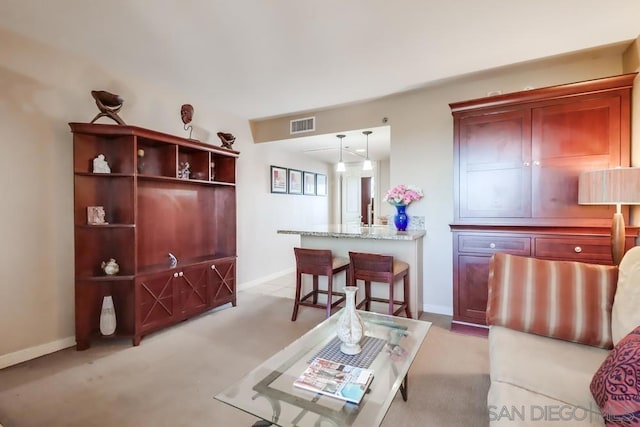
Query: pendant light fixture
point(340, 167)
point(367, 166)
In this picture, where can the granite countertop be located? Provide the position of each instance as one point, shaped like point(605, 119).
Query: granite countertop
point(381, 232)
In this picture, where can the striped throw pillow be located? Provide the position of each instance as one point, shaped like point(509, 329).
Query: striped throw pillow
point(560, 299)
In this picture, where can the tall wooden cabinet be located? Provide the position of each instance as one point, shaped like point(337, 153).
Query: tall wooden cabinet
point(517, 159)
point(151, 210)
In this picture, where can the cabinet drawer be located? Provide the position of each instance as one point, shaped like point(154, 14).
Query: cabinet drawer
point(489, 244)
point(591, 249)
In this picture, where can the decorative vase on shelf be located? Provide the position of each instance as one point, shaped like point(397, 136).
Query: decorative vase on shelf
point(107, 316)
point(350, 325)
point(401, 219)
point(110, 267)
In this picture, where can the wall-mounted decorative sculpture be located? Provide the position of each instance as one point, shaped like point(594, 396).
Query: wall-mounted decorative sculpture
point(186, 113)
point(109, 104)
point(227, 139)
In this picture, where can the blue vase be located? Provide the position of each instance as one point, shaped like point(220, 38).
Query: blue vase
point(401, 219)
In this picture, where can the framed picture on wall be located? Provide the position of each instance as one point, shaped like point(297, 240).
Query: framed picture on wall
point(278, 179)
point(321, 184)
point(310, 183)
point(295, 181)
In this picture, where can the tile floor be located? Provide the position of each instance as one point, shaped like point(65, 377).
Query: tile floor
point(283, 286)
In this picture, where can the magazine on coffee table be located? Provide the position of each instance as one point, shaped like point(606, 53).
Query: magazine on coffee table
point(335, 379)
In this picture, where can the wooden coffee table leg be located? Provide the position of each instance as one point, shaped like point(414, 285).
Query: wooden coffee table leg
point(403, 388)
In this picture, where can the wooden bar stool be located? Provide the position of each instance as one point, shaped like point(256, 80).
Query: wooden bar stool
point(381, 269)
point(317, 262)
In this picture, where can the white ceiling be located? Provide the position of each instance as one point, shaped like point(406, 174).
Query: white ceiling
point(264, 58)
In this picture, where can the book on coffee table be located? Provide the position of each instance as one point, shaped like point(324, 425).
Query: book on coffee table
point(335, 379)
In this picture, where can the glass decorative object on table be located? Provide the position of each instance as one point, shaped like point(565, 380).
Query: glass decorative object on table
point(350, 326)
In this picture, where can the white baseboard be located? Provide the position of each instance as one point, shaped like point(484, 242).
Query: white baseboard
point(20, 356)
point(437, 309)
point(252, 283)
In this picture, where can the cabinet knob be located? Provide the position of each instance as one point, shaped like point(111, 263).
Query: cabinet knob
point(536, 163)
point(213, 267)
point(577, 249)
point(181, 274)
point(526, 164)
point(492, 245)
point(175, 274)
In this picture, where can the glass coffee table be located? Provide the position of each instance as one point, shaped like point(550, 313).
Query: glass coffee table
point(389, 347)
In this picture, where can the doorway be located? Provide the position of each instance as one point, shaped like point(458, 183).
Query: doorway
point(366, 200)
point(357, 196)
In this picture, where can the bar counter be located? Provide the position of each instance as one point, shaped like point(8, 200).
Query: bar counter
point(403, 245)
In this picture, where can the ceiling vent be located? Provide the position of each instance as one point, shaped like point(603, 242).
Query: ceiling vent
point(308, 124)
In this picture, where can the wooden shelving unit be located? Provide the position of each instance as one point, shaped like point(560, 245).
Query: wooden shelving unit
point(150, 212)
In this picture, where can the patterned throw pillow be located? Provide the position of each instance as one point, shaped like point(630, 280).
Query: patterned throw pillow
point(616, 385)
point(567, 300)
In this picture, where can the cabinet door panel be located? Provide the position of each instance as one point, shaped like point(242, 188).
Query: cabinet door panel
point(222, 282)
point(192, 288)
point(567, 139)
point(495, 173)
point(471, 295)
point(156, 300)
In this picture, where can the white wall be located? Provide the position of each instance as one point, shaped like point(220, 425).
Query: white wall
point(261, 251)
point(41, 90)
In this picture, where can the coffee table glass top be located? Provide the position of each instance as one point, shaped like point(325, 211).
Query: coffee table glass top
point(268, 393)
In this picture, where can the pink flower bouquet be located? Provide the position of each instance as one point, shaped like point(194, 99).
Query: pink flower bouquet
point(403, 195)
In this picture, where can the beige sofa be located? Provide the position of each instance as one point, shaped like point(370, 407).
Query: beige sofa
point(539, 377)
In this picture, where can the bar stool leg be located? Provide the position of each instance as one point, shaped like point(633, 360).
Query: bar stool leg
point(407, 310)
point(367, 295)
point(296, 302)
point(391, 286)
point(329, 297)
point(315, 289)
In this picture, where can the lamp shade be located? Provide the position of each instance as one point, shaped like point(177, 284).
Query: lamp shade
point(616, 186)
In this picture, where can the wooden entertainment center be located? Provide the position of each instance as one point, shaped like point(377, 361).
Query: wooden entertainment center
point(517, 158)
point(150, 211)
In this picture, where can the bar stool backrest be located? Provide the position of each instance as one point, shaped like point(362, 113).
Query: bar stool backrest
point(371, 267)
point(314, 261)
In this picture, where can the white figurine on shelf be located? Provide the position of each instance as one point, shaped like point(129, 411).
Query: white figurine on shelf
point(100, 165)
point(185, 170)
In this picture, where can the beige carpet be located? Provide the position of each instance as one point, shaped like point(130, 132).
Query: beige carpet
point(171, 378)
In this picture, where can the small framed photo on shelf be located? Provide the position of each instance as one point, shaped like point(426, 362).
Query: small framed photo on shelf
point(310, 183)
point(295, 181)
point(321, 184)
point(95, 215)
point(278, 179)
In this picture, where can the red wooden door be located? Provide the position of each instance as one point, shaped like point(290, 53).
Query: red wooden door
point(494, 159)
point(156, 301)
point(192, 289)
point(566, 139)
point(222, 282)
